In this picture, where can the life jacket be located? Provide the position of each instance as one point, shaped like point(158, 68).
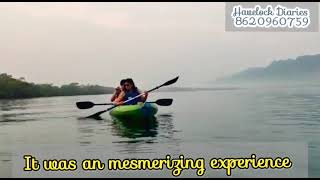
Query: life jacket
point(130, 95)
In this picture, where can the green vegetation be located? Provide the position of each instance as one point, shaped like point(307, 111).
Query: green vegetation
point(11, 88)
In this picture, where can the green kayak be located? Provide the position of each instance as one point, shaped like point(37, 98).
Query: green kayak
point(139, 111)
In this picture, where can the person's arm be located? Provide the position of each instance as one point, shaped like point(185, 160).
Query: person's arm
point(120, 98)
point(115, 94)
point(113, 97)
point(144, 97)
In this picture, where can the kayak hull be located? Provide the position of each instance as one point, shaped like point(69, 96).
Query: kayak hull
point(138, 111)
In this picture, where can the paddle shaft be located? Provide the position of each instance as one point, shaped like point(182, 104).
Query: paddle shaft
point(104, 104)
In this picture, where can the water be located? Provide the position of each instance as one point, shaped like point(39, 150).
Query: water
point(242, 115)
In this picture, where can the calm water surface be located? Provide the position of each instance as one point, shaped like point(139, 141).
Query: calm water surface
point(244, 115)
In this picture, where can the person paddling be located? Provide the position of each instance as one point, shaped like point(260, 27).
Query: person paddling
point(130, 91)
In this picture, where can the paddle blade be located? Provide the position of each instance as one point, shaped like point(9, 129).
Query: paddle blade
point(96, 115)
point(172, 81)
point(85, 105)
point(164, 102)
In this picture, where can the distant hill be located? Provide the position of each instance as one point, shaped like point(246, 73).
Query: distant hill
point(303, 68)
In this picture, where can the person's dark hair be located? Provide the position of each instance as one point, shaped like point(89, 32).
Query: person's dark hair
point(122, 82)
point(129, 80)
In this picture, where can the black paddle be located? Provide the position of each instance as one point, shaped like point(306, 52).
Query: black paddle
point(97, 115)
point(88, 104)
point(163, 102)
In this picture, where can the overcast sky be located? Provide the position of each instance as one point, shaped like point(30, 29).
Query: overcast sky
point(100, 43)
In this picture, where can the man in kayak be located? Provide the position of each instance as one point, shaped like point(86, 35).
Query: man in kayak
point(118, 90)
point(130, 91)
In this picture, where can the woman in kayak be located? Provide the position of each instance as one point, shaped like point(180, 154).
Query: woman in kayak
point(118, 90)
point(130, 91)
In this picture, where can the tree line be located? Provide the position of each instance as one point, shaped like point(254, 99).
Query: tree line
point(12, 88)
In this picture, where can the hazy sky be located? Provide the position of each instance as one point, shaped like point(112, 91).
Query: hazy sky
point(100, 43)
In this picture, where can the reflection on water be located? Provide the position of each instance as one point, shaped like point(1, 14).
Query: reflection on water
point(160, 126)
point(9, 105)
point(142, 137)
point(135, 128)
point(127, 130)
point(129, 136)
